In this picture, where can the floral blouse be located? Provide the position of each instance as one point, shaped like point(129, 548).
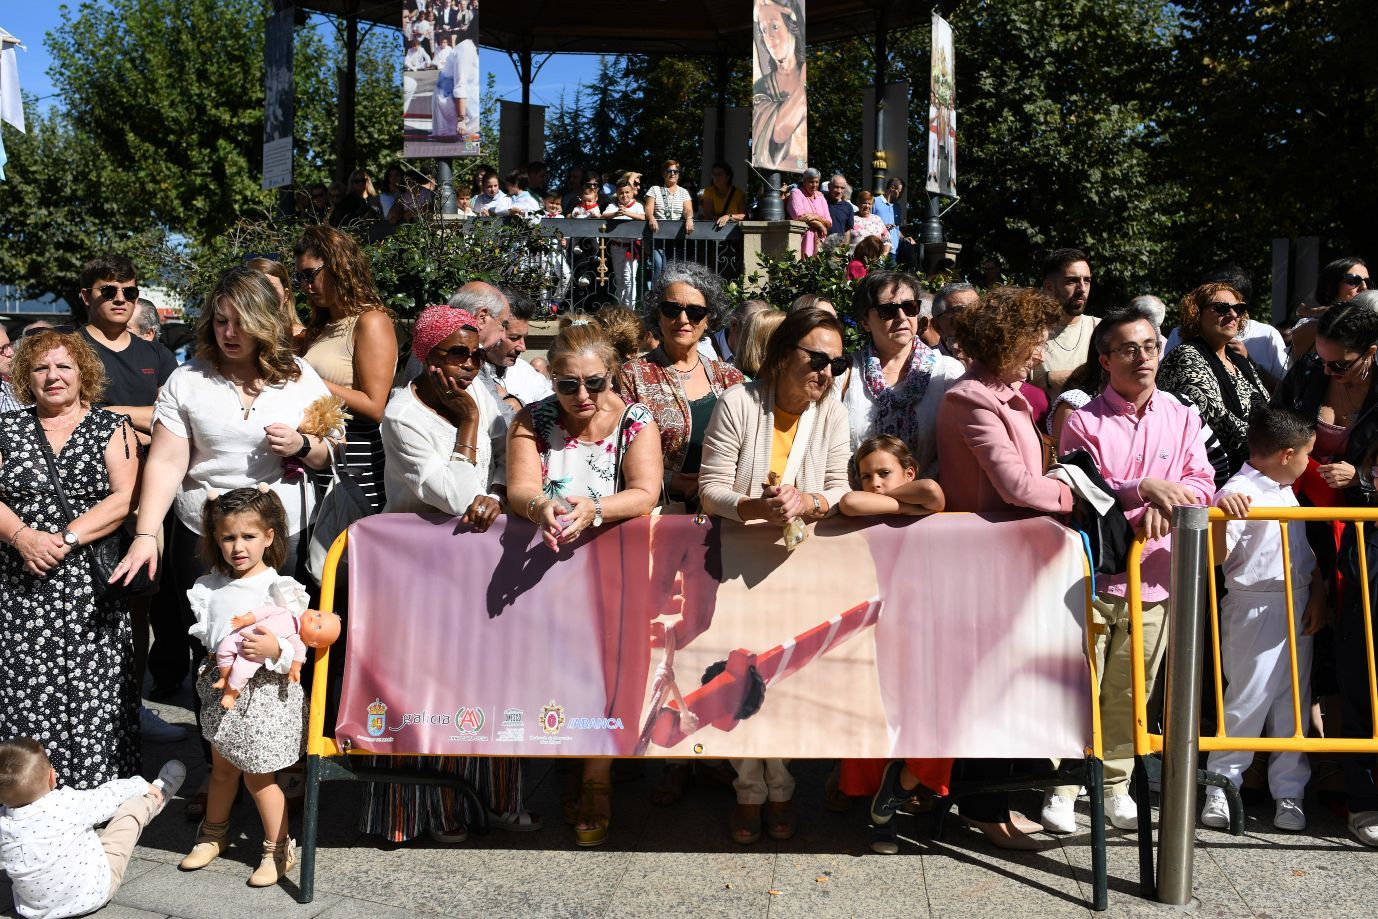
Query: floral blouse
point(871, 225)
point(586, 469)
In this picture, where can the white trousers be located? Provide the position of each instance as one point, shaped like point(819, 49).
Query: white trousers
point(624, 271)
point(761, 780)
point(1256, 664)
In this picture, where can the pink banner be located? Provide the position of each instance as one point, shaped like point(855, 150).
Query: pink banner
point(953, 635)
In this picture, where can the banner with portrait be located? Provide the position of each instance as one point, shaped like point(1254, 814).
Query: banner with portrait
point(942, 113)
point(779, 101)
point(440, 79)
point(278, 97)
point(950, 636)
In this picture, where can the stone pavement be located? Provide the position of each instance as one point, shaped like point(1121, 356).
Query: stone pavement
point(678, 861)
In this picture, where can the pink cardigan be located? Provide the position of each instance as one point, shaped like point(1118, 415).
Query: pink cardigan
point(989, 456)
point(798, 203)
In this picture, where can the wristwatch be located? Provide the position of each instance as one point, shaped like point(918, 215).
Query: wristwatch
point(305, 447)
point(597, 511)
point(817, 506)
point(70, 539)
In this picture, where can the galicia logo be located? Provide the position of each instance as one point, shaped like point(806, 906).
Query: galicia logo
point(377, 718)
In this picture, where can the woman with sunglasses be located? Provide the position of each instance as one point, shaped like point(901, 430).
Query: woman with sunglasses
point(895, 382)
point(669, 201)
point(1224, 385)
point(1338, 282)
point(576, 461)
point(781, 424)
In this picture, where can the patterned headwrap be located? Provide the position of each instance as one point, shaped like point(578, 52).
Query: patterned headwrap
point(435, 324)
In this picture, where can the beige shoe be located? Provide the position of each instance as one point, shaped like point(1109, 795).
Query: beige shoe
point(210, 842)
point(278, 859)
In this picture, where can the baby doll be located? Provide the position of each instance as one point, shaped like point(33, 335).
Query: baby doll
point(313, 628)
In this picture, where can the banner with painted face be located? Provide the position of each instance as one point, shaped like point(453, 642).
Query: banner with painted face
point(779, 102)
point(951, 636)
point(942, 113)
point(440, 78)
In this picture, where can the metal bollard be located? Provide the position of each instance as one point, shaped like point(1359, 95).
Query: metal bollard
point(1181, 733)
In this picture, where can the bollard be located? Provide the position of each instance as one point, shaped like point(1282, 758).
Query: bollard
point(1181, 732)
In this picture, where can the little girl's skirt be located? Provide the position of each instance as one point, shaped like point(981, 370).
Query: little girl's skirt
point(264, 730)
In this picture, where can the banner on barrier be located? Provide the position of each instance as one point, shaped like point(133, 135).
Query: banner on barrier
point(949, 636)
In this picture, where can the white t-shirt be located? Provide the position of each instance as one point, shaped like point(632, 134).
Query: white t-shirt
point(521, 380)
point(422, 473)
point(1254, 547)
point(227, 450)
point(614, 211)
point(1263, 342)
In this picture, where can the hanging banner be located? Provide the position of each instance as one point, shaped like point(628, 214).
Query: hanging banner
point(278, 96)
point(942, 113)
point(779, 102)
point(440, 79)
point(684, 636)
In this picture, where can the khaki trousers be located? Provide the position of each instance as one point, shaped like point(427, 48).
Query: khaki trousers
point(122, 833)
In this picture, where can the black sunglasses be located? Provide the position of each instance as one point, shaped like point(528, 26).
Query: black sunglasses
point(108, 291)
point(889, 311)
point(461, 354)
point(1355, 280)
point(304, 278)
point(672, 172)
point(818, 360)
point(692, 311)
point(1220, 309)
point(569, 386)
point(1340, 368)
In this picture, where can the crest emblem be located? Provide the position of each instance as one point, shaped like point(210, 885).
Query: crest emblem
point(552, 717)
point(377, 718)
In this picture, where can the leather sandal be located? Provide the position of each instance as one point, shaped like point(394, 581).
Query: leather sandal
point(781, 820)
point(592, 828)
point(745, 823)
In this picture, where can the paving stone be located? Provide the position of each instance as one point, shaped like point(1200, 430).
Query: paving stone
point(207, 895)
point(707, 884)
point(846, 886)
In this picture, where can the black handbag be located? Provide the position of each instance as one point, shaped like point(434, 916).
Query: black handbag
point(1109, 534)
point(105, 554)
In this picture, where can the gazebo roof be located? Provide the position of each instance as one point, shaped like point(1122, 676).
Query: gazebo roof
point(650, 26)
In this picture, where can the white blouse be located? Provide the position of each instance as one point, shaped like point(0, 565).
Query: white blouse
point(217, 598)
point(859, 404)
point(421, 471)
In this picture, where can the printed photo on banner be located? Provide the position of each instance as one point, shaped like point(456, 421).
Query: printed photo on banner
point(440, 78)
point(278, 99)
point(942, 113)
point(779, 103)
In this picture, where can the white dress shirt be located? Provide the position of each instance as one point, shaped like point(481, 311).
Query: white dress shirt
point(1254, 547)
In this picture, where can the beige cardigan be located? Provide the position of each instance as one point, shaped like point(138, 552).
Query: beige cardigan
point(736, 450)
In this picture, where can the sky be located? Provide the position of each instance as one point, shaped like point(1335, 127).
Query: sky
point(31, 20)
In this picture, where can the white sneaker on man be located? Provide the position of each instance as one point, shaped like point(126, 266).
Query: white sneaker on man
point(154, 729)
point(169, 780)
point(1122, 811)
point(1216, 813)
point(1059, 813)
point(1289, 815)
point(1364, 826)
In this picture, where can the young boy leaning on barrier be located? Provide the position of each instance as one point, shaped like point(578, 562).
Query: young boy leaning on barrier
point(1253, 615)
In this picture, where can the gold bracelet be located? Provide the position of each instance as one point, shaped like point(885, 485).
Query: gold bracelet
point(531, 510)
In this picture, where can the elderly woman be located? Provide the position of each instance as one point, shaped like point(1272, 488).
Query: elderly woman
point(351, 342)
point(868, 223)
point(896, 382)
point(1224, 385)
point(676, 381)
point(784, 424)
point(67, 653)
point(563, 475)
point(991, 461)
point(806, 203)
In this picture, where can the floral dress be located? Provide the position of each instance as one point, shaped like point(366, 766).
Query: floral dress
point(67, 658)
point(569, 466)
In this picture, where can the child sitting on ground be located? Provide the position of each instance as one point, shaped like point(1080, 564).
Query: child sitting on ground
point(1254, 657)
point(57, 863)
point(885, 479)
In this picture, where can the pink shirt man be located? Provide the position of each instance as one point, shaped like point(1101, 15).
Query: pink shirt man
point(1164, 443)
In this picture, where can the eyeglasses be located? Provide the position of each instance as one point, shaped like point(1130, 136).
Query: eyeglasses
point(1340, 368)
point(818, 360)
point(307, 277)
point(672, 172)
point(569, 386)
point(1132, 352)
point(109, 291)
point(692, 311)
point(1221, 308)
point(888, 311)
point(1354, 280)
point(460, 354)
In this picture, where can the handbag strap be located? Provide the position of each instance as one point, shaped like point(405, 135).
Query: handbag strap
point(620, 448)
point(51, 460)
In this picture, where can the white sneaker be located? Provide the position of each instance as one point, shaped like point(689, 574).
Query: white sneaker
point(1216, 813)
point(155, 730)
point(169, 780)
point(1364, 826)
point(1289, 815)
point(1059, 813)
point(1122, 811)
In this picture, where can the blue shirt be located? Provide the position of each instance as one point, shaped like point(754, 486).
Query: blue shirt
point(886, 211)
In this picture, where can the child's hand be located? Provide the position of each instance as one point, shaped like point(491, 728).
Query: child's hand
point(1234, 504)
point(155, 793)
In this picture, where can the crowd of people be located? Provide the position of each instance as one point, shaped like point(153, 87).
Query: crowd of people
point(138, 495)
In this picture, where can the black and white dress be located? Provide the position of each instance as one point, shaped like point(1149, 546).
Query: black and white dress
point(67, 659)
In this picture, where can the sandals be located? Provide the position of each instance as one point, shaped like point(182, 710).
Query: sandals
point(744, 821)
point(592, 827)
point(672, 783)
point(524, 822)
point(781, 820)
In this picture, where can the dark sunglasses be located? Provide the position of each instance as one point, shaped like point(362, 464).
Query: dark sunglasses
point(693, 312)
point(1340, 368)
point(672, 172)
point(307, 277)
point(818, 360)
point(1221, 309)
point(889, 311)
point(1355, 280)
point(60, 329)
point(461, 354)
point(108, 291)
point(569, 386)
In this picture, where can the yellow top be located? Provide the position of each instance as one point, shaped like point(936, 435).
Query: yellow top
point(782, 440)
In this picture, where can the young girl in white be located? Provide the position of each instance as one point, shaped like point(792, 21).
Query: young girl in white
point(243, 541)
